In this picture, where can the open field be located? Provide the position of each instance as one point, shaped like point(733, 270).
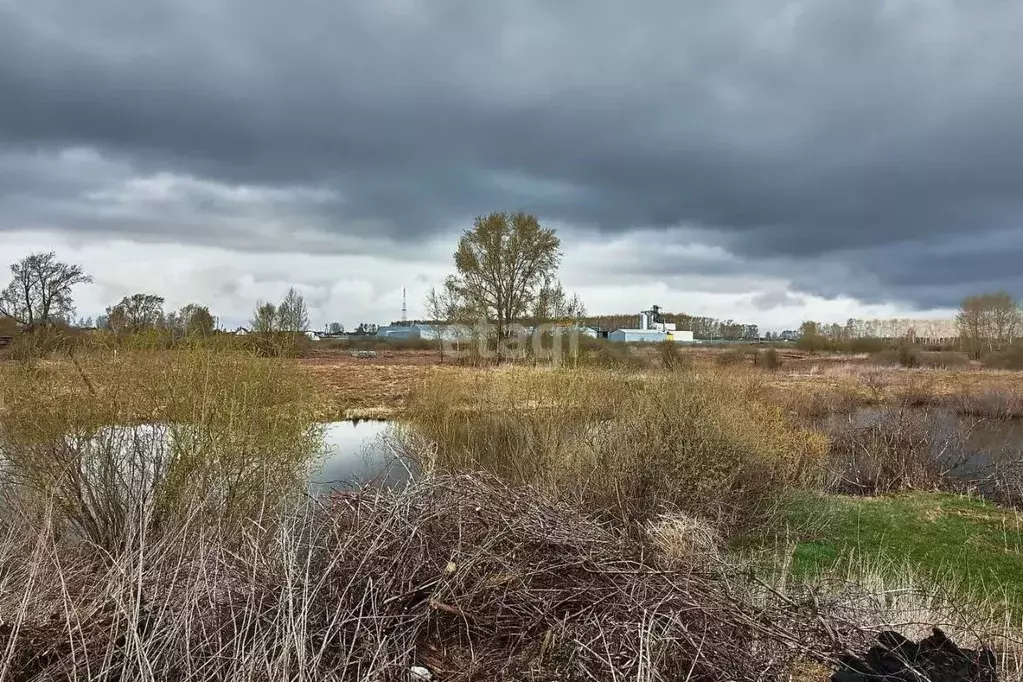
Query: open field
point(380, 386)
point(565, 523)
point(366, 388)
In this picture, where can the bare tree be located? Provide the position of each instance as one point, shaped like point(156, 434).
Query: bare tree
point(502, 264)
point(1005, 317)
point(264, 318)
point(293, 313)
point(973, 323)
point(988, 320)
point(441, 306)
point(40, 291)
point(552, 303)
point(136, 312)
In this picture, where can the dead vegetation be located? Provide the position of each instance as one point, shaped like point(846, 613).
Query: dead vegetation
point(897, 450)
point(572, 523)
point(709, 444)
point(109, 440)
point(461, 575)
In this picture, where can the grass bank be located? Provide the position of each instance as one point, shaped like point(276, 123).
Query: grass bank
point(957, 545)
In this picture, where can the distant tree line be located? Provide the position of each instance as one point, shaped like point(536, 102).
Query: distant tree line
point(40, 295)
point(505, 273)
point(985, 323)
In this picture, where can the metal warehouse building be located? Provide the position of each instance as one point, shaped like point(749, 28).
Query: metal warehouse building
point(428, 332)
point(638, 335)
point(649, 336)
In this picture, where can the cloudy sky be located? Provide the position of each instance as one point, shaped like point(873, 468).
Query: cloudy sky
point(765, 160)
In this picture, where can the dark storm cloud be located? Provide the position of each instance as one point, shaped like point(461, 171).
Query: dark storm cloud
point(837, 143)
point(769, 300)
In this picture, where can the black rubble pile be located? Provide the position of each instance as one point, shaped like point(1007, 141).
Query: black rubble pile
point(934, 659)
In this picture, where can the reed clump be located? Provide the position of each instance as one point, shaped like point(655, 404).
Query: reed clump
point(709, 444)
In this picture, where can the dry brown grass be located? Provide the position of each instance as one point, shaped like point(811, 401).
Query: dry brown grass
point(842, 388)
point(707, 443)
point(354, 388)
point(109, 441)
point(538, 570)
point(812, 386)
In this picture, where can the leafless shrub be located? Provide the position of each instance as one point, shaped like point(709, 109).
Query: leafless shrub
point(897, 450)
point(909, 356)
point(734, 356)
point(917, 390)
point(815, 403)
point(876, 382)
point(769, 359)
point(675, 359)
point(943, 359)
point(1011, 359)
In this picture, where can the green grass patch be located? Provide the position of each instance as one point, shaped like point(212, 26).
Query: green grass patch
point(964, 545)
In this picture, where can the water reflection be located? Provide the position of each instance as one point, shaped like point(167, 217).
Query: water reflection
point(359, 452)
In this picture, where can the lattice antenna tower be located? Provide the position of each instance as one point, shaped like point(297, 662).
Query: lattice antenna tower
point(404, 306)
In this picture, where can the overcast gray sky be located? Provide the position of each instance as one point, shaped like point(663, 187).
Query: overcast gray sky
point(765, 160)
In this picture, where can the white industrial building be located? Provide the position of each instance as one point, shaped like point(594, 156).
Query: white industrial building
point(637, 335)
point(567, 329)
point(652, 329)
point(398, 332)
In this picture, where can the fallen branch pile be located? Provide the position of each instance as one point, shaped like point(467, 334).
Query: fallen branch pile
point(462, 576)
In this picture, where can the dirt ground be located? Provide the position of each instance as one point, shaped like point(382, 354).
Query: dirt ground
point(368, 387)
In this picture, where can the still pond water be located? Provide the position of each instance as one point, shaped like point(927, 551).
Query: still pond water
point(358, 452)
